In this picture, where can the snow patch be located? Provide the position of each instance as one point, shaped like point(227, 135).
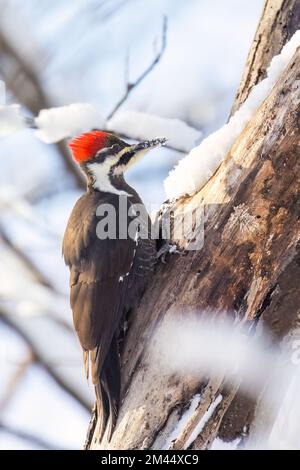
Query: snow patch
point(285, 431)
point(186, 417)
point(183, 421)
point(219, 348)
point(141, 126)
point(11, 119)
point(194, 170)
point(2, 93)
point(205, 418)
point(55, 124)
point(219, 444)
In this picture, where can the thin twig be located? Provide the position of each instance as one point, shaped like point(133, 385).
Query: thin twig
point(131, 86)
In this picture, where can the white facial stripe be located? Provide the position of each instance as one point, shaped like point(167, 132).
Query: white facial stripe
point(100, 172)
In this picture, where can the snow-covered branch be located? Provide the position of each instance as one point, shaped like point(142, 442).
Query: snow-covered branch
point(54, 124)
point(194, 170)
point(141, 126)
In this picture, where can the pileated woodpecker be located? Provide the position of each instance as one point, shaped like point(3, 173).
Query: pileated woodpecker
point(107, 275)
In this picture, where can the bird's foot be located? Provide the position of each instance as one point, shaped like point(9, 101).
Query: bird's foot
point(165, 249)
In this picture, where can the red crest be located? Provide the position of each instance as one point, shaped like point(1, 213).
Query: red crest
point(85, 146)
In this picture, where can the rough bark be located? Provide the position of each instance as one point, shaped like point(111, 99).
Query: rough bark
point(249, 265)
point(280, 19)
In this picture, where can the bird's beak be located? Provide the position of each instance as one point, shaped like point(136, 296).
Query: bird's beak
point(149, 144)
point(131, 154)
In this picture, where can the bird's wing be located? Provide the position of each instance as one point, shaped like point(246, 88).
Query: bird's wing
point(98, 279)
point(97, 295)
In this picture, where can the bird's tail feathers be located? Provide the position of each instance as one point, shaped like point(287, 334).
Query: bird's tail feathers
point(107, 383)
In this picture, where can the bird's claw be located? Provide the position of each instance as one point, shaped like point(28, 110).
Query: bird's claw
point(165, 249)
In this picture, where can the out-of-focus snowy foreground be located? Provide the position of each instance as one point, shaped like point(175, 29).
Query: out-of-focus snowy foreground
point(87, 51)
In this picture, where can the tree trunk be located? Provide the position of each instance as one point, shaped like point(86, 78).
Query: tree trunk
point(280, 20)
point(249, 265)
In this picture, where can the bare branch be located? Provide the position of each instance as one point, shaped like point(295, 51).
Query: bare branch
point(132, 86)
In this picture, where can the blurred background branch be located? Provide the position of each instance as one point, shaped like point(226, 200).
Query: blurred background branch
point(33, 440)
point(131, 85)
point(23, 81)
point(40, 357)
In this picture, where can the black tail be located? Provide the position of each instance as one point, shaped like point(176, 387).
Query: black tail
point(107, 388)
